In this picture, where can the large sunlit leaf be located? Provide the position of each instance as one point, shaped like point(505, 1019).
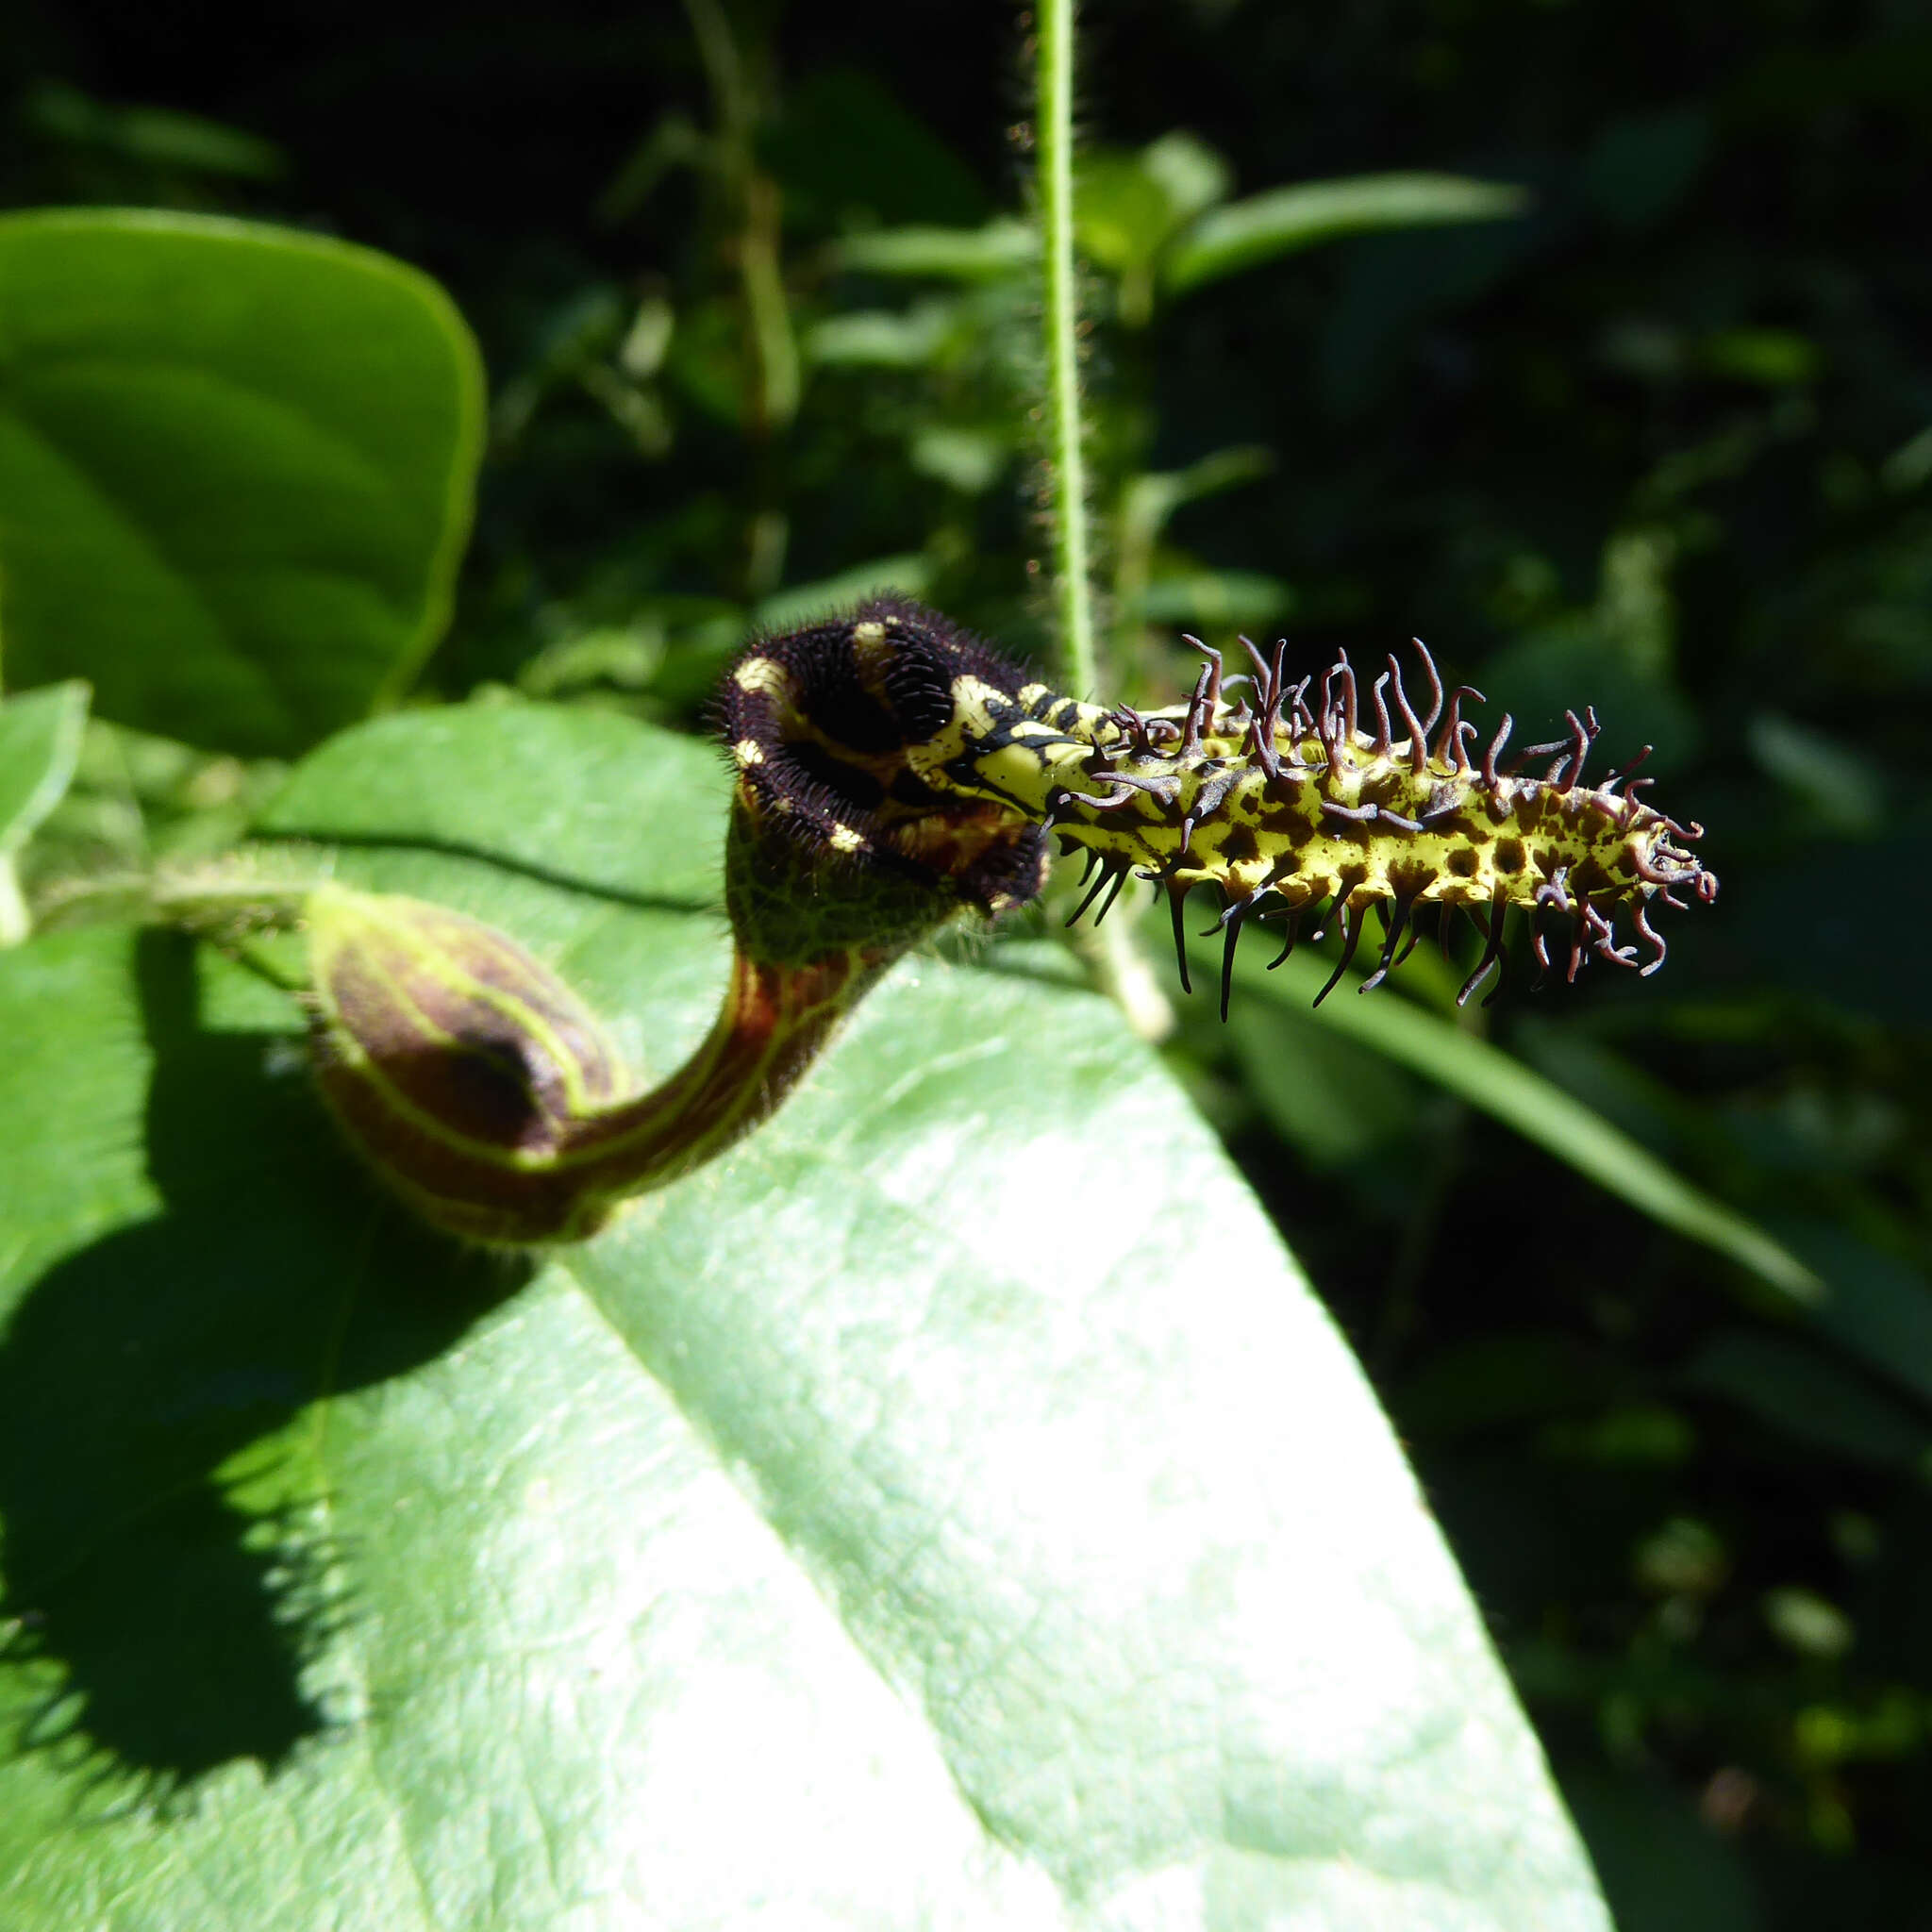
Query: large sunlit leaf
point(235, 466)
point(950, 1510)
point(1240, 234)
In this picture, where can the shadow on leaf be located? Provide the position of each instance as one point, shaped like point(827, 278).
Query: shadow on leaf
point(167, 1548)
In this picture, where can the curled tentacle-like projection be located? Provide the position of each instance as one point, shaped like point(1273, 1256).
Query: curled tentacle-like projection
point(1288, 804)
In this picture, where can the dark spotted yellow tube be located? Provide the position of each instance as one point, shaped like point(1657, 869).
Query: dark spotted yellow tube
point(894, 773)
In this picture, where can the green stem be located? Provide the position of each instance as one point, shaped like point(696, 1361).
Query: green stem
point(1053, 134)
point(1110, 955)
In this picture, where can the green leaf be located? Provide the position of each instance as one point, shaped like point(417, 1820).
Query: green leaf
point(238, 465)
point(1804, 1394)
point(962, 255)
point(40, 746)
point(949, 1509)
point(159, 138)
point(882, 339)
point(1130, 202)
point(1194, 175)
point(907, 575)
point(1641, 167)
point(1237, 235)
point(1151, 498)
point(1767, 358)
point(1126, 214)
point(1508, 1091)
point(1330, 1099)
point(826, 147)
point(1212, 601)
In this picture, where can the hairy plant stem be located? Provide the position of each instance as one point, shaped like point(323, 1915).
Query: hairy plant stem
point(1053, 145)
point(1113, 960)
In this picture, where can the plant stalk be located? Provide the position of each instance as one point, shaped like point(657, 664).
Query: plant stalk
point(1053, 140)
point(1112, 959)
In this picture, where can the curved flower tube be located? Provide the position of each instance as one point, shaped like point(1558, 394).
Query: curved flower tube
point(894, 773)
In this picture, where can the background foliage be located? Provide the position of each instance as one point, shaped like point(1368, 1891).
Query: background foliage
point(1654, 431)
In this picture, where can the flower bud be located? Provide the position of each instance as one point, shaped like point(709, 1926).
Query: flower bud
point(459, 1065)
point(836, 841)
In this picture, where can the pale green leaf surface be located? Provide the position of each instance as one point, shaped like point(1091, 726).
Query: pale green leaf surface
point(235, 465)
point(39, 745)
point(1240, 234)
point(949, 1509)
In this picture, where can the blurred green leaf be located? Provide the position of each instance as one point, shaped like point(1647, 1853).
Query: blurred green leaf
point(826, 146)
point(967, 459)
point(1832, 782)
point(1644, 1435)
point(907, 575)
point(1499, 1381)
point(582, 328)
point(1879, 1308)
point(1131, 204)
point(1804, 1394)
point(1394, 287)
point(1802, 1620)
point(1152, 498)
point(674, 142)
point(1834, 952)
point(1768, 357)
point(1642, 165)
point(1124, 214)
point(964, 255)
point(1893, 1727)
point(1213, 602)
point(1333, 1100)
point(883, 338)
point(1608, 1085)
point(1665, 1869)
point(1910, 465)
point(153, 137)
point(1683, 1556)
point(1192, 175)
point(1239, 235)
point(843, 1537)
point(706, 360)
point(238, 462)
point(1538, 676)
point(1505, 1090)
point(41, 733)
point(39, 745)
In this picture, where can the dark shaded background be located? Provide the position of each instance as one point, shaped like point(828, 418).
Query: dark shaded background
point(1665, 442)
